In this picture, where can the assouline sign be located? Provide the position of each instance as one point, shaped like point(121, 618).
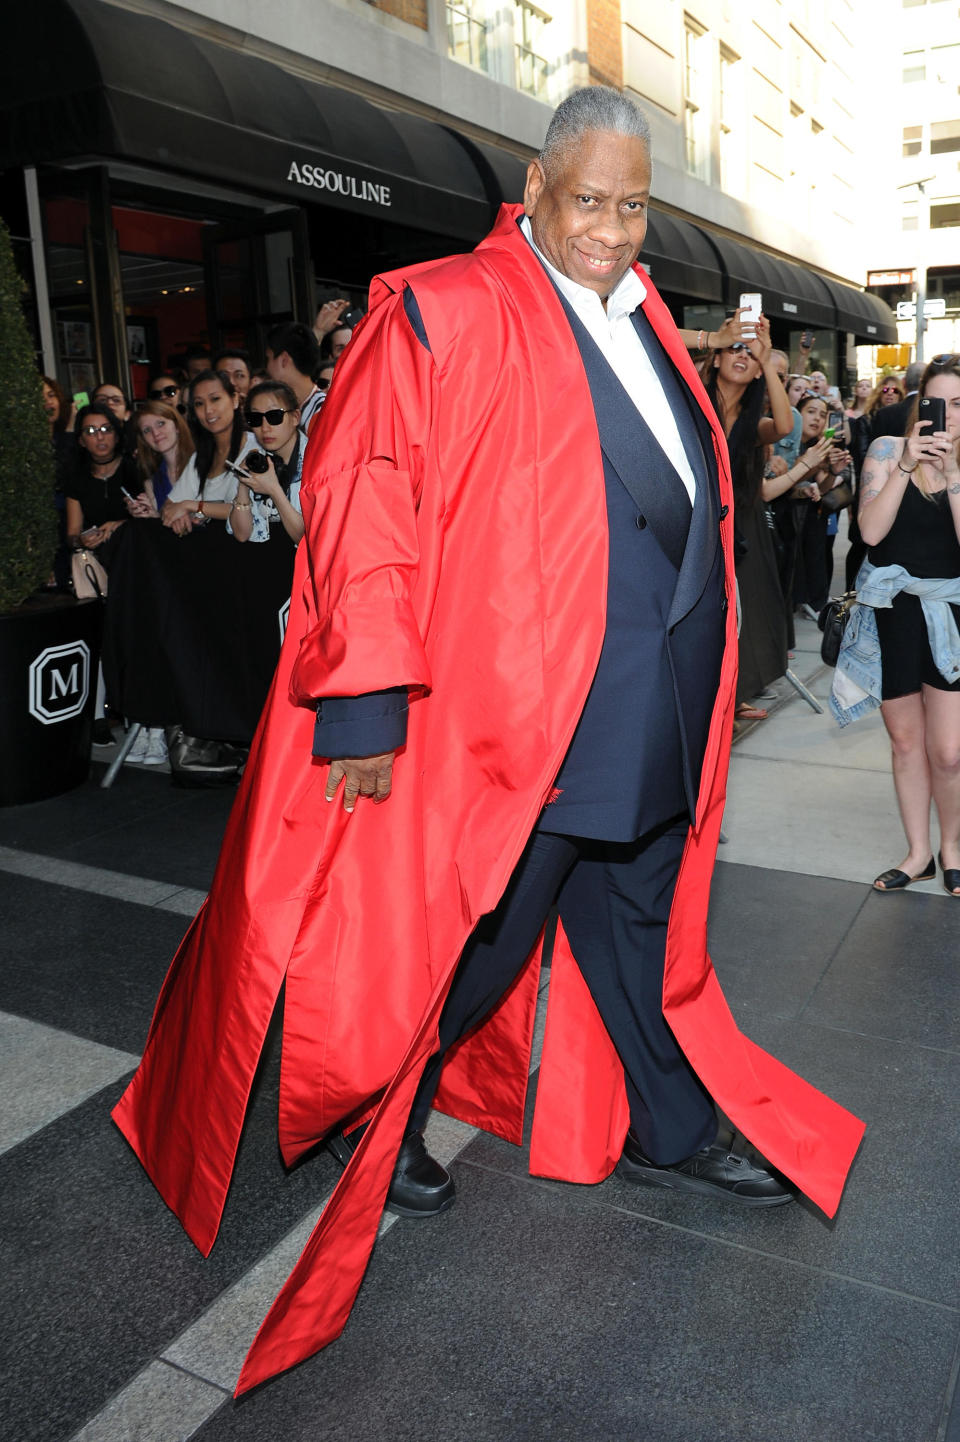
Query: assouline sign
point(317, 177)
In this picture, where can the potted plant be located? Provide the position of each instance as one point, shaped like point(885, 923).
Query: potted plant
point(49, 645)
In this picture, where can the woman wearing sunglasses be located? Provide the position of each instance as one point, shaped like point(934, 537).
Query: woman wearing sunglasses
point(208, 484)
point(102, 471)
point(738, 380)
point(268, 505)
point(168, 391)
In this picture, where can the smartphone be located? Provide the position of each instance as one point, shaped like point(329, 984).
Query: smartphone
point(933, 409)
point(751, 304)
point(126, 494)
point(829, 433)
point(806, 340)
point(80, 399)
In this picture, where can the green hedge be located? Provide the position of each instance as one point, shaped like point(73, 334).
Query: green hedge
point(28, 522)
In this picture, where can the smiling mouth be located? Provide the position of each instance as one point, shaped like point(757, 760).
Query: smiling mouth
point(601, 265)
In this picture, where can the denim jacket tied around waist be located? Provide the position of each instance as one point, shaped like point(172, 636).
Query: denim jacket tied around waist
point(857, 680)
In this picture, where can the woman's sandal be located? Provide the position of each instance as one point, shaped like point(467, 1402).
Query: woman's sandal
point(896, 880)
point(749, 713)
point(951, 877)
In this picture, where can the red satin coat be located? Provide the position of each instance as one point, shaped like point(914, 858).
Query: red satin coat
point(456, 545)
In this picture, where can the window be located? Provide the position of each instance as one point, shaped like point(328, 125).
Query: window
point(944, 215)
point(467, 32)
point(944, 136)
point(529, 24)
point(695, 96)
point(727, 117)
point(912, 139)
point(914, 68)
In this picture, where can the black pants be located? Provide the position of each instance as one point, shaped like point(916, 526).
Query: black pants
point(614, 901)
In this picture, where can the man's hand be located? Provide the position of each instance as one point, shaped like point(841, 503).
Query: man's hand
point(361, 776)
point(328, 317)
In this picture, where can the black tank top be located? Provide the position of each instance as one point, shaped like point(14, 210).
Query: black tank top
point(922, 539)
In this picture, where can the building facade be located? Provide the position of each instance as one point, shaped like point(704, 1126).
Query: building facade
point(915, 245)
point(191, 171)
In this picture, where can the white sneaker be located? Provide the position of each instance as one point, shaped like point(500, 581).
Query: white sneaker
point(156, 752)
point(138, 751)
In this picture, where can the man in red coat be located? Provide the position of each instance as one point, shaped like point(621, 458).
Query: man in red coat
point(513, 610)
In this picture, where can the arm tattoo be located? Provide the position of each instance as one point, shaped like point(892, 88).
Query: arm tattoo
point(869, 495)
point(955, 489)
point(882, 448)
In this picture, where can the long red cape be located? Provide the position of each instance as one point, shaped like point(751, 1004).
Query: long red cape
point(456, 545)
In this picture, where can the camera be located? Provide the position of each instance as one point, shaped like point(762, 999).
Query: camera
point(256, 462)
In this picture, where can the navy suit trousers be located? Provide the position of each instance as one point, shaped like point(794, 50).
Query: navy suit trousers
point(614, 901)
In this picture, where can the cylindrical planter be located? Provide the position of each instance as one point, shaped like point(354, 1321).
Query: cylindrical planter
point(49, 652)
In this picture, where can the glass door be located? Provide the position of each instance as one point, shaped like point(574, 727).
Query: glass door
point(258, 273)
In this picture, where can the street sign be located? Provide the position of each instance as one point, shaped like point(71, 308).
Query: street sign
point(934, 309)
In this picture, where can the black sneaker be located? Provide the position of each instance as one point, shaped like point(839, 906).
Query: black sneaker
point(102, 735)
point(727, 1168)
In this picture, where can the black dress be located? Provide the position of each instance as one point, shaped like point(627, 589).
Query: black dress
point(922, 539)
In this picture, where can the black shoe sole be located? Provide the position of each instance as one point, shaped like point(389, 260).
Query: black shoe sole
point(418, 1213)
point(676, 1182)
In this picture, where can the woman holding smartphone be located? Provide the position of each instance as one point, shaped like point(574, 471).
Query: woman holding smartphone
point(910, 519)
point(207, 485)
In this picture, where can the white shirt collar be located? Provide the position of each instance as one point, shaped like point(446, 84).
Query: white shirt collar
point(627, 294)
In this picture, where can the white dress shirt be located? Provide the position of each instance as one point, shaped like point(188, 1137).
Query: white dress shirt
point(622, 348)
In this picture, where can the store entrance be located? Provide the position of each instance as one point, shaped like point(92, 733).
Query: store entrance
point(257, 274)
point(134, 287)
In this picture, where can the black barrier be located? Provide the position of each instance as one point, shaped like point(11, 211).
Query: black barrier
point(48, 660)
point(193, 627)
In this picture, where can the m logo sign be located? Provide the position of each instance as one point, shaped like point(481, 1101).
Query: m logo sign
point(60, 682)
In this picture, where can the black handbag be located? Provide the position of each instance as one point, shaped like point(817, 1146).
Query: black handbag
point(833, 622)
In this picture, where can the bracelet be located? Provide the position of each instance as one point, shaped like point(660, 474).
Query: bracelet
point(904, 469)
point(701, 337)
point(199, 510)
point(241, 506)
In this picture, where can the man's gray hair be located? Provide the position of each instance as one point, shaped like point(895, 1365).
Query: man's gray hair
point(595, 107)
point(913, 375)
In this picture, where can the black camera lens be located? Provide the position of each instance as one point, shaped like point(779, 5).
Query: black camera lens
point(256, 462)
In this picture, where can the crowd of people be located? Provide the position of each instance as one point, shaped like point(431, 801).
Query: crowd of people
point(218, 439)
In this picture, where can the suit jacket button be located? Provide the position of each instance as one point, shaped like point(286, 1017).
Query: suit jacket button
point(724, 512)
point(641, 523)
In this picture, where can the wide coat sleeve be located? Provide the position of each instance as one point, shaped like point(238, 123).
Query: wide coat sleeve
point(363, 479)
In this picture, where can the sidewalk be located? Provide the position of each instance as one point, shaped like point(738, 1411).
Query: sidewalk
point(532, 1310)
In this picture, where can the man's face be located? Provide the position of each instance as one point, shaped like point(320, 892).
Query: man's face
point(196, 364)
point(818, 383)
point(238, 372)
point(590, 217)
point(274, 364)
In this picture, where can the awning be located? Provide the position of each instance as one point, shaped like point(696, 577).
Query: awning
point(869, 318)
point(680, 258)
point(790, 292)
point(84, 79)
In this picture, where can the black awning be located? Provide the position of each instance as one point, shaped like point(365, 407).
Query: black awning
point(869, 318)
point(790, 291)
point(680, 258)
point(107, 82)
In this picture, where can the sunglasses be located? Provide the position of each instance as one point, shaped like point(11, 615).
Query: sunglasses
point(272, 418)
point(886, 390)
point(103, 430)
point(738, 345)
point(945, 360)
point(162, 393)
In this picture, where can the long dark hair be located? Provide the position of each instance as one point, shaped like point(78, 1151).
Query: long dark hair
point(63, 414)
point(746, 457)
point(206, 446)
